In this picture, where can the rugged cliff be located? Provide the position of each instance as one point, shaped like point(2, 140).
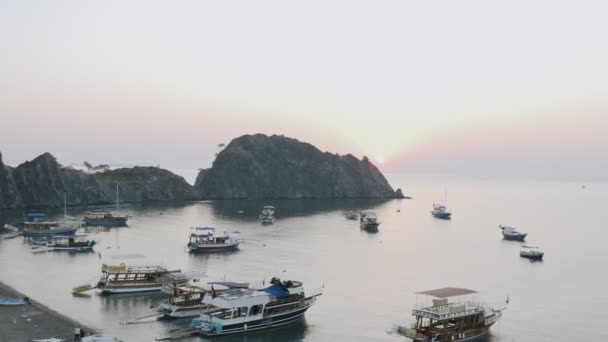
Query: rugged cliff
point(42, 182)
point(259, 166)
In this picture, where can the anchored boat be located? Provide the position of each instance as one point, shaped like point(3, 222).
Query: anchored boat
point(129, 279)
point(69, 243)
point(532, 253)
point(104, 218)
point(369, 221)
point(187, 301)
point(510, 233)
point(440, 211)
point(204, 239)
point(37, 226)
point(460, 320)
point(267, 215)
point(351, 214)
point(239, 310)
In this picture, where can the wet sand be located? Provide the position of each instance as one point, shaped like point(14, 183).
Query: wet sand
point(33, 321)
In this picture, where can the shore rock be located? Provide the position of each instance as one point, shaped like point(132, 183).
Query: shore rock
point(260, 166)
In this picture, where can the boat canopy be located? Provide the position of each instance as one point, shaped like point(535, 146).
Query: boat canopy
point(276, 290)
point(230, 284)
point(447, 292)
point(32, 217)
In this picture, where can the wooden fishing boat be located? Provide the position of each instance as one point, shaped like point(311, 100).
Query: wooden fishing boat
point(129, 279)
point(204, 239)
point(369, 221)
point(460, 320)
point(36, 226)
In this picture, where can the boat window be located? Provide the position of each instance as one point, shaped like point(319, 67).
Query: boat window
point(241, 312)
point(256, 309)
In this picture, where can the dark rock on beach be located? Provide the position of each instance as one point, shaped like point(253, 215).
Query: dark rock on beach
point(261, 166)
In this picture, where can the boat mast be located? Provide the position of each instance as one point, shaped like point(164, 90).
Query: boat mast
point(116, 196)
point(65, 206)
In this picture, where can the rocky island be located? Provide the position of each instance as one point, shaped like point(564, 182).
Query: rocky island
point(260, 166)
point(250, 167)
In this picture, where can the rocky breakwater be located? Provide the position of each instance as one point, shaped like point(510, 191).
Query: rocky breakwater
point(260, 166)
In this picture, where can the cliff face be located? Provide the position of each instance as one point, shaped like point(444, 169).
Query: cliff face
point(259, 166)
point(42, 182)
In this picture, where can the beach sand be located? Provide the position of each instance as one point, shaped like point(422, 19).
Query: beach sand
point(33, 321)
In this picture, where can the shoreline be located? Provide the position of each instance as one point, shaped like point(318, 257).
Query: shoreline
point(34, 321)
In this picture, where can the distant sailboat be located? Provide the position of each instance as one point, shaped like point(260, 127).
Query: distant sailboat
point(441, 211)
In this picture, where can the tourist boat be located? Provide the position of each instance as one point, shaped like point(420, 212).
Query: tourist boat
point(204, 239)
point(128, 279)
point(440, 211)
point(460, 320)
point(369, 221)
point(37, 226)
point(510, 233)
point(241, 310)
point(267, 215)
point(106, 218)
point(187, 301)
point(532, 253)
point(69, 243)
point(351, 214)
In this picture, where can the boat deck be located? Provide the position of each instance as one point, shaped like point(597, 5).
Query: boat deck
point(449, 311)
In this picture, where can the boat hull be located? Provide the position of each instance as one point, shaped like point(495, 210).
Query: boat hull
point(260, 324)
point(442, 216)
point(106, 223)
point(514, 237)
point(213, 248)
point(532, 257)
point(53, 232)
point(372, 227)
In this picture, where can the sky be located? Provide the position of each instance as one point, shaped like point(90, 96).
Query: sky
point(467, 88)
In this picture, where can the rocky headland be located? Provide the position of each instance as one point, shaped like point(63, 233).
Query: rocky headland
point(260, 166)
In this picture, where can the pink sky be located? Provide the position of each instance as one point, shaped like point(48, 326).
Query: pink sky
point(464, 87)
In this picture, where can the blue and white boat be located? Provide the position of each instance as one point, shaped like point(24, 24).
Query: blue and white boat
point(37, 226)
point(510, 233)
point(240, 310)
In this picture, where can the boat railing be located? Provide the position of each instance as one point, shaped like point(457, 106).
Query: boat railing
point(450, 310)
point(131, 269)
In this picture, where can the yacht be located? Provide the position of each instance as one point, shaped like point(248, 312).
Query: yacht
point(70, 243)
point(532, 253)
point(128, 279)
point(369, 221)
point(267, 215)
point(440, 211)
point(460, 320)
point(204, 239)
point(36, 225)
point(510, 233)
point(240, 310)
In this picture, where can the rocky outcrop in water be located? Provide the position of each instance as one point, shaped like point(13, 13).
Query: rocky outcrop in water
point(43, 182)
point(260, 166)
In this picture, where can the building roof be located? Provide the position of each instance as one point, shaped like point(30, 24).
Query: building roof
point(447, 292)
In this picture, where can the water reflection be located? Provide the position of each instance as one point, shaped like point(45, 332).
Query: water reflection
point(248, 210)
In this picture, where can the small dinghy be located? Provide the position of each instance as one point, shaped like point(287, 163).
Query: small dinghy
point(13, 301)
point(532, 253)
point(510, 233)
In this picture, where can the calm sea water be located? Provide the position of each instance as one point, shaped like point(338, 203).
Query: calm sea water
point(369, 279)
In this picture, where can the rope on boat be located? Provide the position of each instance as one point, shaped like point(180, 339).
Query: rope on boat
point(136, 320)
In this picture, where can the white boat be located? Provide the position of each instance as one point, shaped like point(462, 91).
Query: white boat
point(187, 301)
point(351, 214)
point(129, 279)
point(532, 253)
point(440, 211)
point(510, 233)
point(242, 310)
point(267, 215)
point(70, 243)
point(369, 221)
point(205, 239)
point(464, 319)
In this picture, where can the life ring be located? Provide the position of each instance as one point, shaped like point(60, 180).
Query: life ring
point(129, 270)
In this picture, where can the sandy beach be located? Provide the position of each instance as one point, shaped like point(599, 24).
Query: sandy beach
point(33, 321)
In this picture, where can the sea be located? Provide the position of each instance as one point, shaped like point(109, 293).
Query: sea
point(369, 280)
